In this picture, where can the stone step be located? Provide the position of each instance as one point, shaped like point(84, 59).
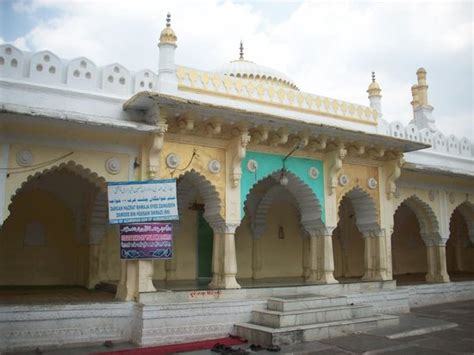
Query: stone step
point(305, 333)
point(304, 301)
point(277, 319)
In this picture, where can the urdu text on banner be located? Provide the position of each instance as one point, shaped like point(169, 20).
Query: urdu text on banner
point(142, 201)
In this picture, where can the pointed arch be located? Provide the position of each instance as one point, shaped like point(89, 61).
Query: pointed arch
point(189, 185)
point(264, 192)
point(466, 209)
point(365, 210)
point(429, 226)
point(90, 227)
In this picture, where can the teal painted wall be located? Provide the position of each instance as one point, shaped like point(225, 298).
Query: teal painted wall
point(269, 163)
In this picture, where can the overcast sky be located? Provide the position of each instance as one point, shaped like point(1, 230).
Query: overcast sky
point(327, 48)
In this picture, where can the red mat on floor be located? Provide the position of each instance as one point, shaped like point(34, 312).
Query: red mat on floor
point(175, 348)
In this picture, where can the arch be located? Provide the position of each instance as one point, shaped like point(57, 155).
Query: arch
point(466, 209)
point(96, 222)
point(263, 192)
point(429, 226)
point(365, 211)
point(192, 182)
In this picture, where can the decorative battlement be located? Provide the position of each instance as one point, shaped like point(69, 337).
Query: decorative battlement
point(46, 68)
point(210, 83)
point(440, 143)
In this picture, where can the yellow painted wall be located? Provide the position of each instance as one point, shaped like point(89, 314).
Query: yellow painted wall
point(93, 160)
point(280, 257)
point(61, 261)
point(358, 177)
point(110, 255)
point(243, 247)
point(185, 244)
point(348, 244)
point(408, 248)
point(199, 164)
point(459, 252)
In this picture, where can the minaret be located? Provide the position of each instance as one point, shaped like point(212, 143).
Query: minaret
point(167, 81)
point(422, 111)
point(374, 95)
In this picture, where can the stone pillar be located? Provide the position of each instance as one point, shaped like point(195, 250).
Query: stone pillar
point(256, 258)
point(216, 260)
point(375, 259)
point(229, 259)
point(437, 269)
point(126, 289)
point(224, 258)
point(321, 258)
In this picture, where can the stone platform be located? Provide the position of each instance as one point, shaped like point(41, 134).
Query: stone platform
point(185, 315)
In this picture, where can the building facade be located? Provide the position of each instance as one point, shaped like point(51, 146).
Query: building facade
point(274, 185)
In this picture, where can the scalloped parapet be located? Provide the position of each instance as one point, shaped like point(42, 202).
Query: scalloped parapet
point(215, 84)
point(452, 145)
point(46, 68)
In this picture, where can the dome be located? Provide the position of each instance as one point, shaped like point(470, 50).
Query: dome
point(249, 70)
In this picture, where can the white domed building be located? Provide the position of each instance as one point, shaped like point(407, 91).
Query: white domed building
point(278, 192)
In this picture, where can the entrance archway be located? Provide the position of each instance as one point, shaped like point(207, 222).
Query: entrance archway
point(54, 232)
point(358, 220)
point(406, 236)
point(459, 248)
point(276, 227)
point(199, 211)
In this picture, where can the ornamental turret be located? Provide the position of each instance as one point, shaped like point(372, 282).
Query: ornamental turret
point(167, 68)
point(374, 95)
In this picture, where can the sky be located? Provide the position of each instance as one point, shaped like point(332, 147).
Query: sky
point(327, 48)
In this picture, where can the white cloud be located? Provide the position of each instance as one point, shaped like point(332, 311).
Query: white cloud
point(327, 48)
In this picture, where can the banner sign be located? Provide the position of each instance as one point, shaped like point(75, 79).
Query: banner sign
point(142, 201)
point(146, 241)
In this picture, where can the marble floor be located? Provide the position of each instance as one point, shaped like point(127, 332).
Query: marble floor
point(106, 293)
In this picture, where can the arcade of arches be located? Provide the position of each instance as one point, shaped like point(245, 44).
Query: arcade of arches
point(56, 235)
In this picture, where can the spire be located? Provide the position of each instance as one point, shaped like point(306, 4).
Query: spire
point(168, 36)
point(241, 51)
point(375, 98)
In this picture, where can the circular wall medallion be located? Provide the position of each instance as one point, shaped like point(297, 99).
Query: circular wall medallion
point(451, 197)
point(24, 158)
point(372, 183)
point(112, 165)
point(172, 160)
point(343, 180)
point(214, 166)
point(313, 172)
point(252, 165)
point(432, 195)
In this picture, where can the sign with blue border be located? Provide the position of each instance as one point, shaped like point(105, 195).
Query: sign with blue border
point(142, 201)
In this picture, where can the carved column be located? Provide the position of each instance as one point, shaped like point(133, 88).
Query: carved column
point(436, 258)
point(224, 259)
point(375, 256)
point(229, 258)
point(334, 159)
point(216, 259)
point(321, 257)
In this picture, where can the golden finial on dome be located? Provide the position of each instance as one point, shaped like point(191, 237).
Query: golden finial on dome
point(167, 35)
point(374, 87)
point(241, 51)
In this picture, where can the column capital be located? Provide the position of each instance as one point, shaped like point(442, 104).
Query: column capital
point(323, 231)
point(225, 228)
